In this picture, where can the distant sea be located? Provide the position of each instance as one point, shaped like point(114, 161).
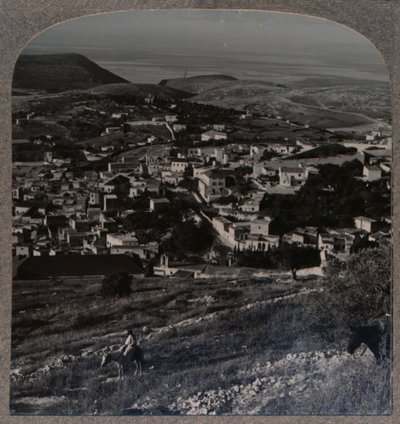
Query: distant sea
point(275, 69)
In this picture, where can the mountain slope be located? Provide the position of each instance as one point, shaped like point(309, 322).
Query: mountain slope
point(60, 72)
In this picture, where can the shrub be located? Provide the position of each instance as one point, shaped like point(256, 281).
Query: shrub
point(229, 293)
point(84, 320)
point(118, 284)
point(360, 289)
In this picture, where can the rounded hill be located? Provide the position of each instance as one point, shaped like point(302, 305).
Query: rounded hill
point(197, 84)
point(60, 72)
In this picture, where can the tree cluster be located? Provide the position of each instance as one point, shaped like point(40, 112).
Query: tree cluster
point(331, 198)
point(358, 291)
point(188, 237)
point(287, 256)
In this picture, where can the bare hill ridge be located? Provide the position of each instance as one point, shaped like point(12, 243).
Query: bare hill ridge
point(130, 90)
point(60, 72)
point(198, 84)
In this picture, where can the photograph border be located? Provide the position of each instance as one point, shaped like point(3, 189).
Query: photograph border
point(22, 20)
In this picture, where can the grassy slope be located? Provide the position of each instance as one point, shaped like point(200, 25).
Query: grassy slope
point(325, 151)
point(372, 100)
point(130, 90)
point(205, 341)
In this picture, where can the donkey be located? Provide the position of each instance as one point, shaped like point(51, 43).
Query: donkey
point(372, 337)
point(134, 357)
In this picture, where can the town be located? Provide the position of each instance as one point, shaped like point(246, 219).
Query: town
point(201, 217)
point(160, 186)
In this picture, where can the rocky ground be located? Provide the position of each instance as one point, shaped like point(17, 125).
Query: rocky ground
point(295, 377)
point(259, 352)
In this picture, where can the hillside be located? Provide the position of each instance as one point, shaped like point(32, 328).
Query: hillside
point(119, 92)
point(60, 72)
point(262, 345)
point(334, 105)
point(198, 84)
point(325, 151)
point(131, 90)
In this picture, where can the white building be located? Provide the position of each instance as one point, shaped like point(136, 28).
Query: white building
point(158, 204)
point(252, 205)
point(372, 136)
point(246, 235)
point(179, 127)
point(170, 119)
point(110, 203)
point(246, 115)
point(292, 176)
point(163, 269)
point(180, 164)
point(218, 127)
point(281, 148)
point(112, 130)
point(206, 153)
point(214, 135)
point(116, 239)
point(366, 224)
point(372, 172)
point(211, 184)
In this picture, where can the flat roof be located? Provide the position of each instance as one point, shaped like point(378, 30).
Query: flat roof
point(214, 132)
point(292, 169)
point(222, 219)
point(364, 218)
point(378, 152)
point(161, 200)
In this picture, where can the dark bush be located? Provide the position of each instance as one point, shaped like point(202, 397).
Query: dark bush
point(118, 284)
point(229, 293)
point(84, 320)
point(359, 289)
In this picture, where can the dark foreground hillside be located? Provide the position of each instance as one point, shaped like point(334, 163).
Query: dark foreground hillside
point(60, 72)
point(213, 346)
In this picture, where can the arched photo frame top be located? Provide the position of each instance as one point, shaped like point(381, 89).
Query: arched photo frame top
point(346, 26)
point(23, 20)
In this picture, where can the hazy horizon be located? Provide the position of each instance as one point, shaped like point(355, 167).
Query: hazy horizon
point(147, 46)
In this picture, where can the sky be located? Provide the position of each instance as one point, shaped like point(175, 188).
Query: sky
point(146, 46)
